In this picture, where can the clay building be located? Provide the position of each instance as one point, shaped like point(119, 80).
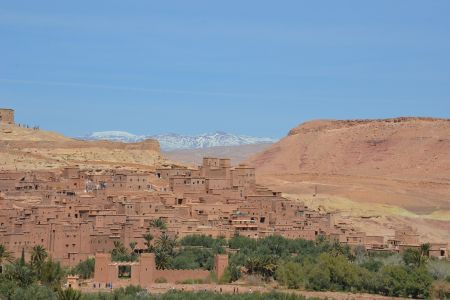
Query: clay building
point(6, 116)
point(76, 213)
point(144, 272)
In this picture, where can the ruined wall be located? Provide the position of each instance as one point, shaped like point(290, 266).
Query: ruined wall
point(6, 116)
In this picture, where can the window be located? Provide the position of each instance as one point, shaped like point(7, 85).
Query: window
point(124, 272)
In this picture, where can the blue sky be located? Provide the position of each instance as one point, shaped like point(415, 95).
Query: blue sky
point(250, 67)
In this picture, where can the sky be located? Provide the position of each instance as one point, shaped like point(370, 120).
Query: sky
point(249, 67)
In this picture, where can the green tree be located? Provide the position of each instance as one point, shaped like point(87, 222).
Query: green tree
point(166, 243)
point(319, 279)
point(148, 237)
point(162, 259)
point(5, 255)
point(38, 257)
point(19, 273)
point(22, 258)
point(52, 273)
point(290, 274)
point(412, 257)
point(85, 269)
point(424, 253)
point(158, 223)
point(133, 245)
point(119, 253)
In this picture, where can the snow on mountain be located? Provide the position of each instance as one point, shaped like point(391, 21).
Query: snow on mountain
point(116, 136)
point(172, 141)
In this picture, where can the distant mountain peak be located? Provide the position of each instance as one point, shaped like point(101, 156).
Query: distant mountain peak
point(173, 141)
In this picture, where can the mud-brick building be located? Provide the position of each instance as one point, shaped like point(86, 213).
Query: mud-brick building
point(6, 116)
point(144, 272)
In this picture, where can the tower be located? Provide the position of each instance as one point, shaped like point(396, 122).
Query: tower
point(220, 264)
point(6, 116)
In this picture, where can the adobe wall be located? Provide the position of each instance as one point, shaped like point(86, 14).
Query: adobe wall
point(144, 272)
point(6, 116)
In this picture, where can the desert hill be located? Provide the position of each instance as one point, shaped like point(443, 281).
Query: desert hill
point(237, 154)
point(28, 149)
point(369, 170)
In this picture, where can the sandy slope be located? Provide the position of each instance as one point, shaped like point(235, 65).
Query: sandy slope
point(28, 149)
point(399, 167)
point(237, 154)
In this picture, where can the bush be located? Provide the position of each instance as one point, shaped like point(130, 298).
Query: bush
point(160, 280)
point(290, 274)
point(84, 269)
point(439, 269)
point(192, 281)
point(319, 279)
point(193, 258)
point(441, 290)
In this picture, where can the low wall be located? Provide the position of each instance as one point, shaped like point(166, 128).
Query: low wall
point(174, 276)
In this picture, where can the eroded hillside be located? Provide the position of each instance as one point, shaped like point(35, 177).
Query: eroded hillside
point(368, 170)
point(30, 149)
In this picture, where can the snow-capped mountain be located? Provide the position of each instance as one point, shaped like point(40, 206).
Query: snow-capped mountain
point(174, 141)
point(116, 136)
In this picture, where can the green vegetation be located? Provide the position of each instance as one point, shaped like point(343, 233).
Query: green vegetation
point(121, 253)
point(324, 266)
point(158, 223)
point(132, 293)
point(318, 265)
point(84, 269)
point(38, 279)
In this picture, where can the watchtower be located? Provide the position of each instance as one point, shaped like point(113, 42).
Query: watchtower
point(6, 116)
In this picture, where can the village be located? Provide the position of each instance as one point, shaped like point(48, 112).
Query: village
point(77, 213)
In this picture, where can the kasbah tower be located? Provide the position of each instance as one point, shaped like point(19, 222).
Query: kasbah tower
point(6, 116)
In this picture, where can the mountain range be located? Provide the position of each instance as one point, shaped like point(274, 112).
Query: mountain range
point(173, 141)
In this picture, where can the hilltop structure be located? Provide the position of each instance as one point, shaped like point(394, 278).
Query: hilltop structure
point(6, 116)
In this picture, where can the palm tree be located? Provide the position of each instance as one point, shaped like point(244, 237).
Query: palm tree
point(69, 294)
point(22, 258)
point(132, 245)
point(158, 223)
point(38, 256)
point(148, 237)
point(162, 259)
point(119, 253)
point(252, 264)
point(5, 255)
point(166, 243)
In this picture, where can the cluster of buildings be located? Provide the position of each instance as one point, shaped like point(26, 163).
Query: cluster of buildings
point(77, 213)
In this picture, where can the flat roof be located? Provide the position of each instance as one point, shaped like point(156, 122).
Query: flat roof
point(6, 109)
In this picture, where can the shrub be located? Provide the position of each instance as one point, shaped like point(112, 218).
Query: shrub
point(319, 279)
point(441, 290)
point(85, 269)
point(192, 281)
point(160, 280)
point(290, 274)
point(439, 269)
